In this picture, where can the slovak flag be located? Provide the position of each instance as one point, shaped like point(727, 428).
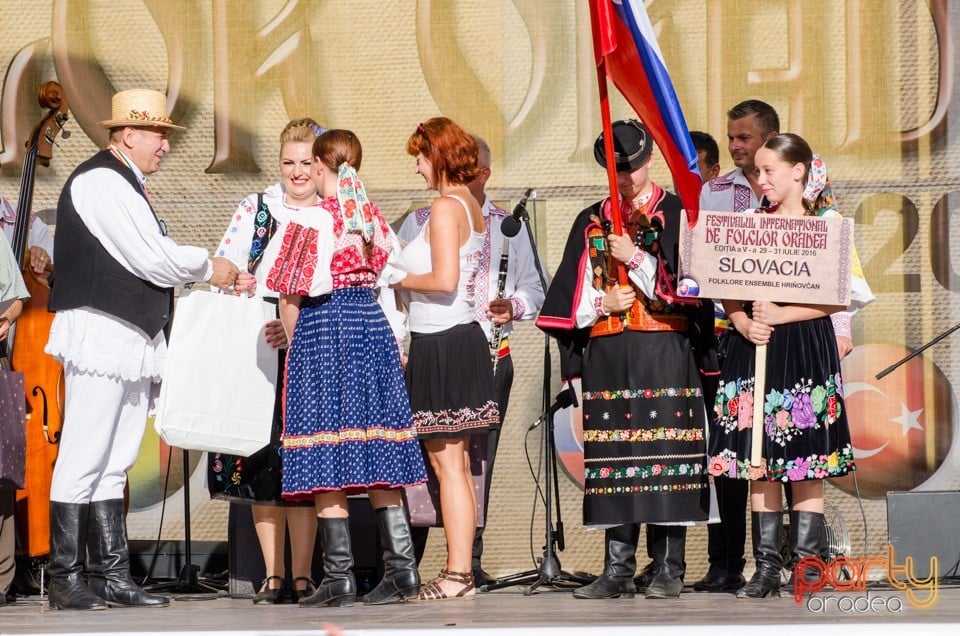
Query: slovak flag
point(623, 40)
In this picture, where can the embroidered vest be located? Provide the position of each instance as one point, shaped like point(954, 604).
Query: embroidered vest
point(645, 314)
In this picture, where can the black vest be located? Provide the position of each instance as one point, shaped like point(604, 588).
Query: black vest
point(87, 276)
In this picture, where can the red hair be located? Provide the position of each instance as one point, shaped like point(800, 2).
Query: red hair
point(451, 151)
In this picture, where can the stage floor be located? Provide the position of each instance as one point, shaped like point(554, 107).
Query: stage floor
point(504, 612)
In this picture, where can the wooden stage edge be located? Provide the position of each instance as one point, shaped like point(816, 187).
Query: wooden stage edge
point(554, 613)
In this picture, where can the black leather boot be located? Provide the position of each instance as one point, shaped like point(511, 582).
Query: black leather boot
point(726, 577)
point(643, 580)
point(338, 587)
point(808, 537)
point(619, 565)
point(669, 543)
point(651, 569)
point(725, 540)
point(109, 558)
point(401, 579)
point(766, 531)
point(68, 549)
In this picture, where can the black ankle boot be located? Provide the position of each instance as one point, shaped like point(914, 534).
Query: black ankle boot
point(807, 538)
point(668, 548)
point(68, 549)
point(619, 565)
point(338, 587)
point(401, 579)
point(766, 531)
point(109, 558)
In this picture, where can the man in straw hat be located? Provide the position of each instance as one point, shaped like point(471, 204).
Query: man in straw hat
point(113, 297)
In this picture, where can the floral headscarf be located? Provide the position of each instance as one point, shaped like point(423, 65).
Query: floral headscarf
point(818, 195)
point(354, 204)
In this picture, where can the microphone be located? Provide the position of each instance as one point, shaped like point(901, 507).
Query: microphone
point(510, 226)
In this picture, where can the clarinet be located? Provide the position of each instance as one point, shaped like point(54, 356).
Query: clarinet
point(496, 329)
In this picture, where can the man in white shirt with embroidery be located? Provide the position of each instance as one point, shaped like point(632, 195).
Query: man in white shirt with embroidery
point(523, 296)
point(113, 297)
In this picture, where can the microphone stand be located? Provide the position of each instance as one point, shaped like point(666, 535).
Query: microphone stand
point(188, 584)
point(548, 571)
point(896, 364)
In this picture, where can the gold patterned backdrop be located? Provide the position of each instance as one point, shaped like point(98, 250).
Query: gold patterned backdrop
point(870, 84)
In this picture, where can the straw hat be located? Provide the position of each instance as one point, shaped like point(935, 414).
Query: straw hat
point(139, 107)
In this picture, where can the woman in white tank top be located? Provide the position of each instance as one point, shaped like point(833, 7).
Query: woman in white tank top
point(449, 374)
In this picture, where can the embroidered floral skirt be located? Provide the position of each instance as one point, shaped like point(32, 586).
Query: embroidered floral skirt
point(254, 479)
point(347, 421)
point(644, 430)
point(450, 381)
point(806, 434)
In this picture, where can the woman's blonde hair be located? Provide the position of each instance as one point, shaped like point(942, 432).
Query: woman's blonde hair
point(304, 129)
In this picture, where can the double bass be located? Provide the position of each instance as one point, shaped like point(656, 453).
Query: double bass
point(43, 376)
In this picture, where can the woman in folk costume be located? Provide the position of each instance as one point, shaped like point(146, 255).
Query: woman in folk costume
point(806, 438)
point(637, 349)
point(449, 373)
point(255, 480)
point(347, 421)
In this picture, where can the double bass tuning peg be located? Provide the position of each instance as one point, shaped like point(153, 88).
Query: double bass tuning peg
point(64, 134)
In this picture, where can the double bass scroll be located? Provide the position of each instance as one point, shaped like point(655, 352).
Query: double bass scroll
point(43, 376)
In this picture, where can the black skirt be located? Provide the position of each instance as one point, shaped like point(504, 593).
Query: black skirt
point(644, 430)
point(450, 382)
point(806, 435)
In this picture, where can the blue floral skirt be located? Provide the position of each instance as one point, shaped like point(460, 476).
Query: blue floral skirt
point(806, 435)
point(347, 420)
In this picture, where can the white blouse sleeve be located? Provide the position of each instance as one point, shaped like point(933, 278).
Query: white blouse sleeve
point(395, 315)
point(236, 241)
point(526, 292)
point(40, 236)
point(860, 293)
point(395, 269)
point(644, 276)
point(590, 299)
point(410, 228)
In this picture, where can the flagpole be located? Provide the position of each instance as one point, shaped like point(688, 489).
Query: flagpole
point(606, 124)
point(608, 150)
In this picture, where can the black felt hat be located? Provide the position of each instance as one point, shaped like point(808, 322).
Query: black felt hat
point(632, 145)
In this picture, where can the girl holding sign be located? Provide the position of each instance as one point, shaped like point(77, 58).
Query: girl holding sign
point(806, 438)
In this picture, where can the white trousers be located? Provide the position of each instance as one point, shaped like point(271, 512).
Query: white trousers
point(103, 426)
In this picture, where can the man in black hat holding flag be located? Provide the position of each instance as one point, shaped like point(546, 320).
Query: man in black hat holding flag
point(637, 347)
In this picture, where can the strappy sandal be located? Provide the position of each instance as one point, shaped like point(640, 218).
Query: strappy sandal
point(268, 595)
point(297, 594)
point(432, 591)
